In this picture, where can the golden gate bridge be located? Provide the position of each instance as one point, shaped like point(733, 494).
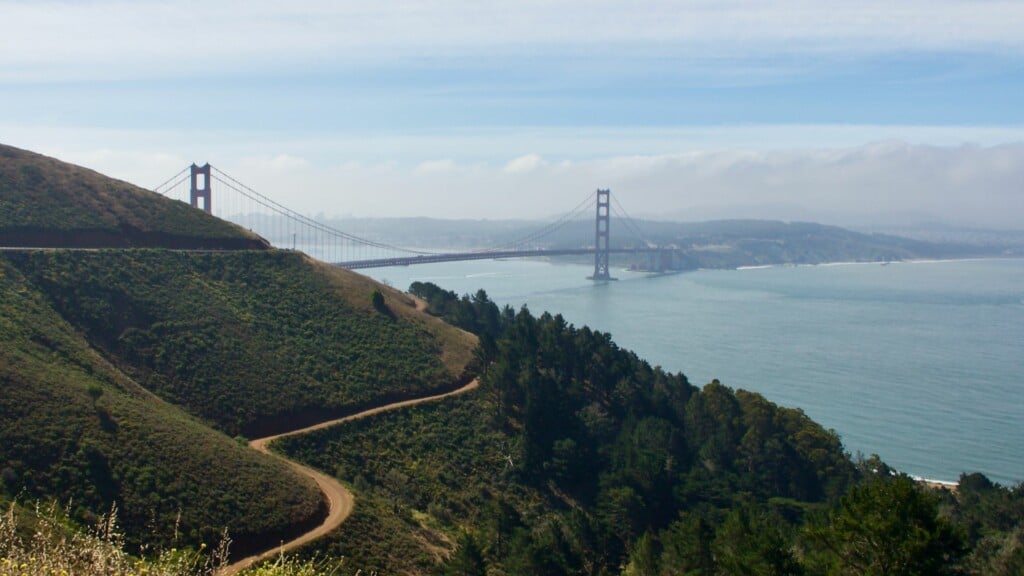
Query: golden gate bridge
point(582, 231)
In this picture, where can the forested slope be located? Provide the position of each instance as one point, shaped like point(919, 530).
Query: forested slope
point(577, 457)
point(75, 429)
point(571, 451)
point(254, 342)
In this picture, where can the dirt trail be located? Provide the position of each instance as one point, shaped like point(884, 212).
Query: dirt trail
point(421, 304)
point(339, 500)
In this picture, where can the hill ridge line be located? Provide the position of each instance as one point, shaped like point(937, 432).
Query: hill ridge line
point(340, 500)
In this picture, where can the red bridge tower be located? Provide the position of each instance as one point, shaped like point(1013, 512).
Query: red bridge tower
point(201, 187)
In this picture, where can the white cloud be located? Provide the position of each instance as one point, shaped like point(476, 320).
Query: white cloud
point(883, 183)
point(286, 163)
point(280, 163)
point(524, 164)
point(436, 166)
point(960, 175)
point(118, 39)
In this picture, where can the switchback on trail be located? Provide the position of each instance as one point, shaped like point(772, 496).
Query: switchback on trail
point(340, 500)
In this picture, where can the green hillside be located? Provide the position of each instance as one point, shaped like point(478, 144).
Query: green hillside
point(130, 373)
point(105, 351)
point(75, 429)
point(46, 202)
point(577, 457)
point(253, 342)
point(571, 451)
point(127, 372)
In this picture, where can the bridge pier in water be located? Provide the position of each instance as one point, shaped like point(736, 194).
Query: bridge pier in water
point(601, 230)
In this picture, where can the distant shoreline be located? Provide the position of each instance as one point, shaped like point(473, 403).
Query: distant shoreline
point(876, 263)
point(937, 484)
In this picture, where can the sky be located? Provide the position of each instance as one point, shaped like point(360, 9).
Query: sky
point(859, 113)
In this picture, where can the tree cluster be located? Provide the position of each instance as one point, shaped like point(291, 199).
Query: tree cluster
point(643, 473)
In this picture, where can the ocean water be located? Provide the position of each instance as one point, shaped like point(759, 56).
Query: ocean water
point(920, 363)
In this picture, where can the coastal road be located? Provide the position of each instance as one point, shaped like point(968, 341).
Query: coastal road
point(339, 500)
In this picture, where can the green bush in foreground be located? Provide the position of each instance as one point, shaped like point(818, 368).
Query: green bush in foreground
point(55, 550)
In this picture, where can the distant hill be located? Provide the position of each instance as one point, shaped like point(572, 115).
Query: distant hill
point(734, 243)
point(714, 244)
point(1008, 242)
point(46, 202)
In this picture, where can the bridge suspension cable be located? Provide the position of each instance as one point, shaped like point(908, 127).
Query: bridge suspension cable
point(630, 223)
point(266, 202)
point(166, 186)
point(278, 223)
point(548, 229)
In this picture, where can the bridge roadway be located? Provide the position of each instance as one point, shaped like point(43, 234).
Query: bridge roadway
point(398, 261)
point(492, 255)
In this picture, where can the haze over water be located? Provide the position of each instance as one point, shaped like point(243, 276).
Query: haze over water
point(920, 363)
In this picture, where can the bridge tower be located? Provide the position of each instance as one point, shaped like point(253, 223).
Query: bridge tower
point(201, 187)
point(601, 246)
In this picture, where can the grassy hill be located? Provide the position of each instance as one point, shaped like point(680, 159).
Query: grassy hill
point(46, 202)
point(127, 372)
point(253, 342)
point(74, 428)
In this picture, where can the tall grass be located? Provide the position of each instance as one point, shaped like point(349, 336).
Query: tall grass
point(51, 548)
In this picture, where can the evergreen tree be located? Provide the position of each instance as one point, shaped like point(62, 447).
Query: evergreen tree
point(467, 560)
point(889, 527)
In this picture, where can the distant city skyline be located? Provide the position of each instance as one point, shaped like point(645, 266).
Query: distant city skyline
point(845, 113)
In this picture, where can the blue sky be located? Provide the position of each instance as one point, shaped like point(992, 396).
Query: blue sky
point(847, 112)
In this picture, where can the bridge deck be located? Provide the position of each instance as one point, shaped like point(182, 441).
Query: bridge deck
point(490, 255)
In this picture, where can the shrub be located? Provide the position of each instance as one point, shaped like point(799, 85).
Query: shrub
point(54, 549)
point(378, 301)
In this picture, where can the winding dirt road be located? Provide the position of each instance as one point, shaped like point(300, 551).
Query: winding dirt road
point(340, 501)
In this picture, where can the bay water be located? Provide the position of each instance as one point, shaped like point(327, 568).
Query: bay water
point(921, 363)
